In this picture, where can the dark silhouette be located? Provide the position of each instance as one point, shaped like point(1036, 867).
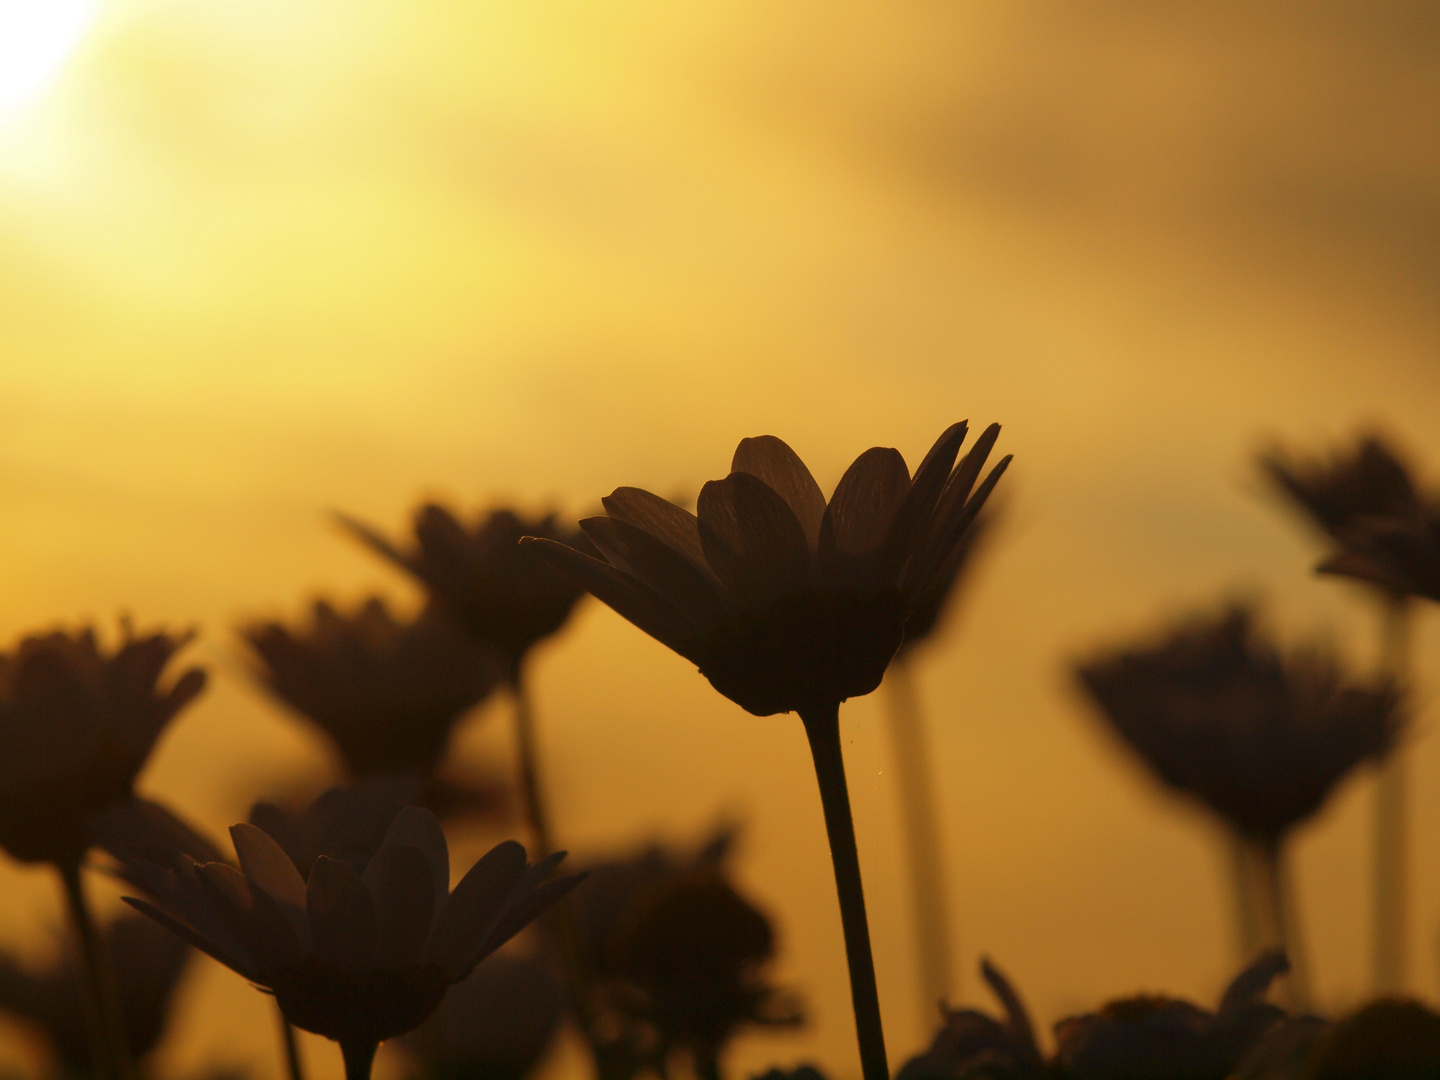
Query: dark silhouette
point(972, 1044)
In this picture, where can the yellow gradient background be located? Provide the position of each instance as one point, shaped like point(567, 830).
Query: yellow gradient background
point(261, 259)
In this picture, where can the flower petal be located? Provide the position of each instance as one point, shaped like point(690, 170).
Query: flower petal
point(252, 919)
point(233, 961)
point(268, 867)
point(419, 828)
point(342, 916)
point(927, 565)
point(528, 904)
point(659, 566)
point(402, 888)
point(753, 540)
point(472, 908)
point(672, 525)
point(631, 600)
point(858, 520)
point(771, 460)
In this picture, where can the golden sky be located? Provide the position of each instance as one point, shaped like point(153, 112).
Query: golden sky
point(262, 259)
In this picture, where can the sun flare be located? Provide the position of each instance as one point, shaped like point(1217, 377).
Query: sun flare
point(36, 37)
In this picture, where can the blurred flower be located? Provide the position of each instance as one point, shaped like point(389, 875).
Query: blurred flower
point(1220, 715)
point(358, 958)
point(388, 693)
point(1160, 1038)
point(77, 724)
point(677, 955)
point(1368, 480)
point(1400, 555)
point(799, 1072)
point(786, 603)
point(972, 1044)
point(1386, 1040)
point(507, 596)
point(494, 1025)
point(148, 965)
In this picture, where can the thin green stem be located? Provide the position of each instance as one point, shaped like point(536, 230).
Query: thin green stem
point(359, 1057)
point(292, 1048)
point(104, 1021)
point(1389, 889)
point(822, 727)
point(920, 820)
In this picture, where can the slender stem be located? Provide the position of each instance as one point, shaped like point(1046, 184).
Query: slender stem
point(104, 1021)
point(920, 819)
point(1281, 916)
point(1248, 936)
point(822, 727)
point(529, 755)
point(1391, 823)
point(707, 1067)
point(359, 1057)
point(292, 1048)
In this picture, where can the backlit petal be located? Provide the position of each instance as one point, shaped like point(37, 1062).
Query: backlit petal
point(417, 827)
point(474, 905)
point(402, 888)
point(773, 461)
point(753, 540)
point(268, 867)
point(342, 916)
point(659, 566)
point(857, 522)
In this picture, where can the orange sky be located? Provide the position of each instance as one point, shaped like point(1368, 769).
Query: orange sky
point(262, 259)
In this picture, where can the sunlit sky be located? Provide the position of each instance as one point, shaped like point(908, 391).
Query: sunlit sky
point(259, 260)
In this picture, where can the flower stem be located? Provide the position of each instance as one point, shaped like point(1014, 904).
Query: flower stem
point(292, 1048)
point(530, 764)
point(822, 727)
point(1391, 824)
point(922, 839)
point(1248, 934)
point(1281, 917)
point(359, 1057)
point(104, 1022)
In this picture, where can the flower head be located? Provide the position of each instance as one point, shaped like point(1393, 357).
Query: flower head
point(1222, 716)
point(972, 1044)
point(77, 724)
point(505, 595)
point(786, 602)
point(148, 965)
point(388, 693)
point(1160, 1038)
point(1371, 479)
point(1399, 554)
point(356, 957)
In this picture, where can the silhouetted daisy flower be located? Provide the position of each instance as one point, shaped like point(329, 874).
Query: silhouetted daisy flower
point(348, 823)
point(1221, 715)
point(974, 1045)
point(494, 1025)
point(787, 603)
point(387, 692)
point(1368, 480)
point(77, 724)
point(358, 958)
point(148, 965)
point(507, 596)
point(1388, 1039)
point(1160, 1038)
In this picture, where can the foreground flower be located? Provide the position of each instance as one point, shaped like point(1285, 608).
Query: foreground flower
point(148, 965)
point(787, 603)
point(1160, 1038)
point(388, 693)
point(356, 958)
point(972, 1044)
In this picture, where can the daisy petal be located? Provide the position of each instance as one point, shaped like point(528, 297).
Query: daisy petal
point(188, 933)
point(858, 519)
point(659, 566)
point(402, 887)
point(753, 540)
point(946, 533)
point(268, 867)
point(672, 525)
point(474, 905)
point(520, 914)
point(929, 544)
point(418, 828)
point(773, 461)
point(642, 606)
point(342, 916)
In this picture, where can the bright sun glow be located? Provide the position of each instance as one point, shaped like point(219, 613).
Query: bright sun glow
point(35, 38)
